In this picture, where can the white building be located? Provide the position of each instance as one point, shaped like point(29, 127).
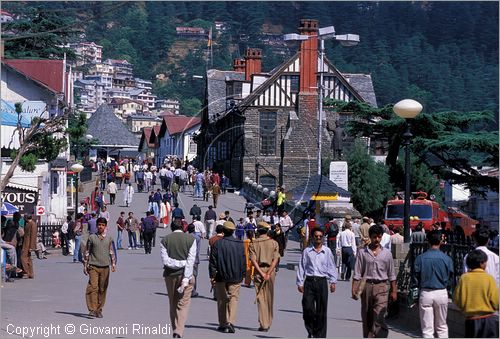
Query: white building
point(87, 53)
point(91, 94)
point(46, 82)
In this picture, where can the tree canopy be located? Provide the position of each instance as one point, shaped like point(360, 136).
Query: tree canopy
point(453, 145)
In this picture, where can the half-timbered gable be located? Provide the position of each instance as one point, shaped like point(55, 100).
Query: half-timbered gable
point(265, 125)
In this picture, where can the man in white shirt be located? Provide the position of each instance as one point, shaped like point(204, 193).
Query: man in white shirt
point(199, 227)
point(285, 222)
point(346, 242)
point(481, 237)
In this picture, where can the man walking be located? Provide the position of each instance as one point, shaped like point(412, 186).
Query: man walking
point(264, 255)
point(210, 217)
point(148, 228)
point(347, 244)
point(128, 195)
point(481, 237)
point(374, 264)
point(178, 252)
point(112, 190)
point(227, 270)
point(99, 254)
point(432, 273)
point(216, 191)
point(120, 225)
point(316, 273)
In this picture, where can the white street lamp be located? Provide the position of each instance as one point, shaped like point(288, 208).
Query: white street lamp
point(407, 109)
point(76, 168)
point(324, 33)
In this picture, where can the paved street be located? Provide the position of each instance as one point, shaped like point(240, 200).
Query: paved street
point(137, 300)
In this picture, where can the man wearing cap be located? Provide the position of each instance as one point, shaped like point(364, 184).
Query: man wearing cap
point(264, 255)
point(227, 270)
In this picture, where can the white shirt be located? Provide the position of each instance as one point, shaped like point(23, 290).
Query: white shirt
point(163, 172)
point(286, 223)
point(491, 265)
point(187, 264)
point(355, 229)
point(199, 227)
point(148, 175)
point(81, 209)
point(386, 241)
point(346, 238)
point(121, 168)
point(178, 172)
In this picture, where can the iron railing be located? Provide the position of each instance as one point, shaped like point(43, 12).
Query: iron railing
point(456, 249)
point(45, 233)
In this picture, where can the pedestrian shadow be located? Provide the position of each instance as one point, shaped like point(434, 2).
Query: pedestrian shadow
point(290, 311)
point(345, 319)
point(79, 315)
point(265, 336)
point(202, 297)
point(162, 294)
point(212, 328)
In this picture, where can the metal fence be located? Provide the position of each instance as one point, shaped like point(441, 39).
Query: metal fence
point(45, 233)
point(456, 250)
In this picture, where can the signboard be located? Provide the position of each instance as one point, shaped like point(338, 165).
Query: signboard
point(339, 174)
point(32, 109)
point(25, 200)
point(40, 210)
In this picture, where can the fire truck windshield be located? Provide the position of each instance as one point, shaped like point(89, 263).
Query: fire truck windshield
point(421, 211)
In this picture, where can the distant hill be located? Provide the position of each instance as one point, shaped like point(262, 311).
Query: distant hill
point(444, 54)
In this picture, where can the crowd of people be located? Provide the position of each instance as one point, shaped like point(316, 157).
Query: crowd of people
point(247, 253)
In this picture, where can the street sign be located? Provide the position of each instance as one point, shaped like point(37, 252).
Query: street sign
point(40, 210)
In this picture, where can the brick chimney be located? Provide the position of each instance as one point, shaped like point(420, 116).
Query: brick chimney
point(253, 62)
point(307, 108)
point(309, 55)
point(239, 65)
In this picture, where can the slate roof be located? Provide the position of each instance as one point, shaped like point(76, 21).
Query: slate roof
point(216, 89)
point(363, 85)
point(106, 127)
point(146, 134)
point(317, 184)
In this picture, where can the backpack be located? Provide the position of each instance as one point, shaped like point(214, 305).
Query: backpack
point(332, 229)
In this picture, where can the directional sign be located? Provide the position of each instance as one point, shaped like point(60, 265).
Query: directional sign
point(40, 210)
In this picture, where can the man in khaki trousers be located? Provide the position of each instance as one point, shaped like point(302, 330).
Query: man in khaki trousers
point(264, 255)
point(227, 269)
point(29, 244)
point(178, 252)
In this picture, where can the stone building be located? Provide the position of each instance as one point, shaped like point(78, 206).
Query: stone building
point(265, 125)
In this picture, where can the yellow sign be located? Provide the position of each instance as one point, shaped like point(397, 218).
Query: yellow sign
point(326, 197)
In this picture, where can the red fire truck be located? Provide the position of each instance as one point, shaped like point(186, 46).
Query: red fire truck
point(428, 212)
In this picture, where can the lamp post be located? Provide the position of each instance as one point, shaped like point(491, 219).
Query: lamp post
point(76, 168)
point(323, 34)
point(407, 109)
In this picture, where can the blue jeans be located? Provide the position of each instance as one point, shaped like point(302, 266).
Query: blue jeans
point(119, 239)
point(132, 239)
point(198, 192)
point(78, 240)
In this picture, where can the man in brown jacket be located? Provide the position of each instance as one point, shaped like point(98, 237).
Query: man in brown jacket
point(216, 191)
point(29, 244)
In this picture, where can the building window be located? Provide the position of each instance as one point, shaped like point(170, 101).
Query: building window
point(294, 84)
point(192, 146)
point(268, 133)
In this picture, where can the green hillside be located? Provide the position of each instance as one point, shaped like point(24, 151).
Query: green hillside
point(444, 54)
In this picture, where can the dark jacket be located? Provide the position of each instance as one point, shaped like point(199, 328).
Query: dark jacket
point(227, 260)
point(195, 210)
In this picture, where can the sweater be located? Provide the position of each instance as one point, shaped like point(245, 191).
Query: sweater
point(177, 245)
point(100, 250)
point(476, 293)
